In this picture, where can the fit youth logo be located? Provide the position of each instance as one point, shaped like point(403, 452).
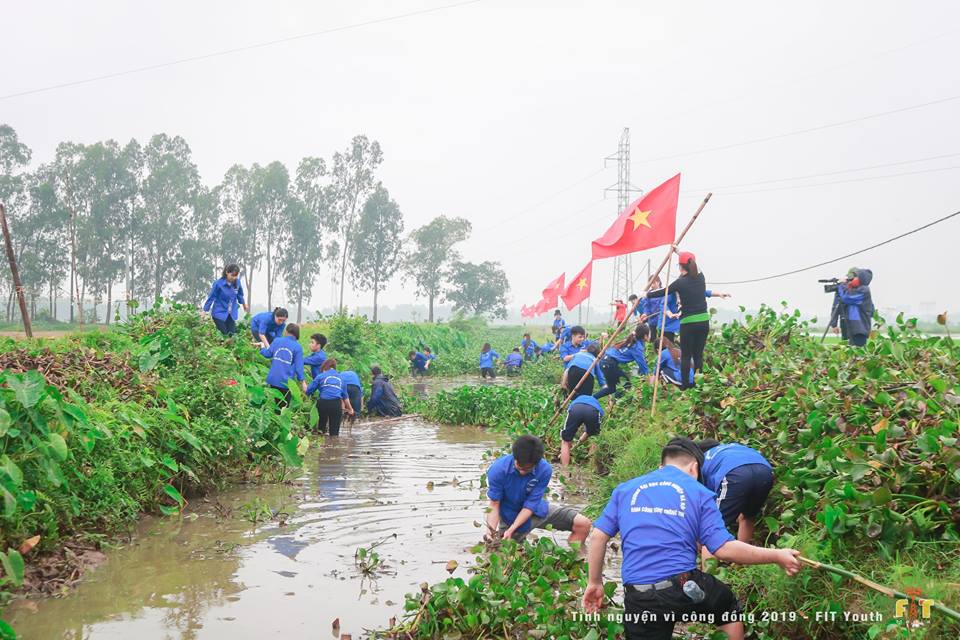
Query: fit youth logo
point(914, 606)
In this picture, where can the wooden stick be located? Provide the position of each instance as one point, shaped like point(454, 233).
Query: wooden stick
point(887, 591)
point(633, 309)
point(663, 325)
point(17, 285)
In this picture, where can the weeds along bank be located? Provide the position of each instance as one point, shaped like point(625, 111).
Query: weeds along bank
point(864, 445)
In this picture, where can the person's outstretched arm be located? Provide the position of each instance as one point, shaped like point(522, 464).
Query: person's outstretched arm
point(743, 553)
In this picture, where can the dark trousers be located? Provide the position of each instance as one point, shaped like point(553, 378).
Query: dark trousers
point(281, 404)
point(331, 414)
point(613, 374)
point(664, 608)
point(858, 340)
point(227, 327)
point(693, 340)
point(487, 371)
point(356, 398)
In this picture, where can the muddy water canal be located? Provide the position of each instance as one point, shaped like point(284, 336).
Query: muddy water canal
point(213, 574)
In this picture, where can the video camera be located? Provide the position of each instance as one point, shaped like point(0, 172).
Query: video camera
point(831, 284)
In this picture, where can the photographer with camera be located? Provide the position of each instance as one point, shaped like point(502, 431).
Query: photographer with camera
point(852, 311)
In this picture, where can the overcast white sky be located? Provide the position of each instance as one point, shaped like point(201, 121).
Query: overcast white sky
point(487, 110)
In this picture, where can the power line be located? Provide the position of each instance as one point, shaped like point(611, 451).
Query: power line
point(843, 257)
point(798, 132)
point(226, 52)
point(701, 191)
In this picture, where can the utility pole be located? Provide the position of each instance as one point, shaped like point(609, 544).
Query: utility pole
point(622, 266)
point(18, 287)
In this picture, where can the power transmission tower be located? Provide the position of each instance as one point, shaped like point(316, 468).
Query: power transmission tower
point(622, 267)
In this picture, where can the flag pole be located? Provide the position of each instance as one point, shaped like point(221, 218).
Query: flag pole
point(663, 325)
point(629, 315)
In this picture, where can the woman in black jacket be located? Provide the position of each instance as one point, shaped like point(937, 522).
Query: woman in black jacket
point(691, 288)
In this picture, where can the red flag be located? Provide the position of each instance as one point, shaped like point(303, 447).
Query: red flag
point(579, 288)
point(648, 222)
point(553, 290)
point(526, 312)
point(542, 307)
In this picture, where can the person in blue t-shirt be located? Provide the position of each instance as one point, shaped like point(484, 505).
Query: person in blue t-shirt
point(577, 369)
point(559, 324)
point(317, 356)
point(742, 478)
point(225, 295)
point(630, 350)
point(662, 517)
point(572, 346)
point(528, 347)
point(516, 485)
point(332, 401)
point(487, 359)
point(418, 363)
point(286, 362)
point(429, 356)
point(354, 391)
point(545, 349)
point(513, 362)
point(669, 369)
point(586, 411)
point(268, 326)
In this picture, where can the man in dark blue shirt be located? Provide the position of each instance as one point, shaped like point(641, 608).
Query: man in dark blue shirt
point(516, 486)
point(661, 518)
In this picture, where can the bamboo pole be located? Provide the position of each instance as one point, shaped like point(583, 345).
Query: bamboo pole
point(887, 591)
point(663, 325)
point(15, 273)
point(629, 315)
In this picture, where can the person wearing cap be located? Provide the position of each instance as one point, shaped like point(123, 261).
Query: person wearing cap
point(853, 307)
point(741, 477)
point(662, 517)
point(691, 289)
point(559, 324)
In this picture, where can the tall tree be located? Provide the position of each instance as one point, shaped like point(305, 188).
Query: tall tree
point(14, 158)
point(133, 162)
point(432, 254)
point(479, 289)
point(74, 189)
point(43, 233)
point(200, 248)
point(269, 196)
point(170, 189)
point(376, 251)
point(305, 250)
point(241, 224)
point(352, 181)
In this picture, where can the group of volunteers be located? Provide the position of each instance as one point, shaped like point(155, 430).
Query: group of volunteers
point(339, 391)
point(665, 518)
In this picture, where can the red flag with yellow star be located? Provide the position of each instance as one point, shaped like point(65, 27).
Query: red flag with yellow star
point(542, 307)
point(579, 288)
point(648, 222)
point(553, 290)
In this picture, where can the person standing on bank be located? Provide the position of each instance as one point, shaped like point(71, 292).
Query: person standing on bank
point(661, 517)
point(855, 307)
point(268, 325)
point(487, 359)
point(286, 362)
point(691, 289)
point(225, 295)
point(333, 401)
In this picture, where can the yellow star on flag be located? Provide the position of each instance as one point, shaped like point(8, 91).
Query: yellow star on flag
point(582, 284)
point(639, 217)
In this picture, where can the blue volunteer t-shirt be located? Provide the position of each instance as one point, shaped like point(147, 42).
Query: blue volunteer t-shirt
point(516, 492)
point(660, 517)
point(583, 360)
point(315, 360)
point(487, 357)
point(351, 377)
point(330, 384)
point(589, 401)
point(286, 361)
point(724, 458)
